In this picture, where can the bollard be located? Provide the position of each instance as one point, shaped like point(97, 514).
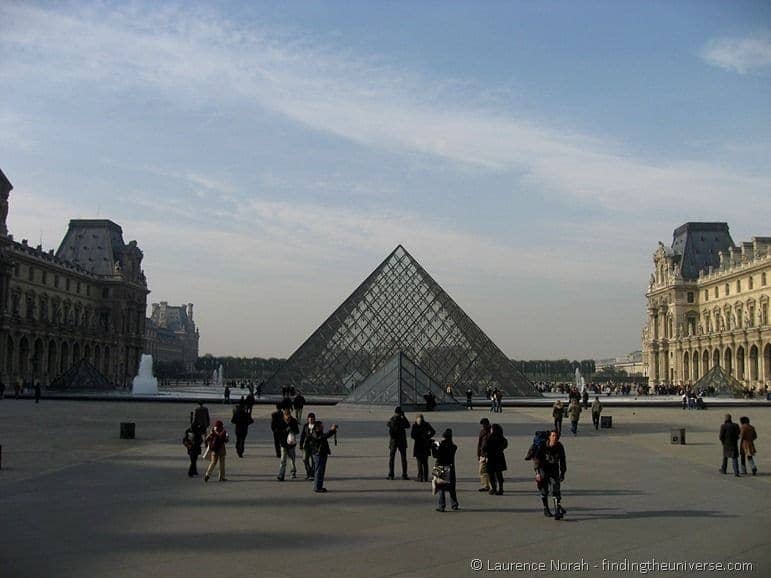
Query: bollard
point(677, 434)
point(606, 421)
point(127, 430)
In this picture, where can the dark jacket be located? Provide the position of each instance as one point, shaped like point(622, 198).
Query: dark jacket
point(298, 402)
point(483, 435)
point(277, 424)
point(320, 443)
point(729, 436)
point(422, 435)
point(748, 437)
point(305, 436)
point(551, 460)
point(397, 429)
point(201, 420)
point(290, 426)
point(493, 450)
point(192, 441)
point(445, 453)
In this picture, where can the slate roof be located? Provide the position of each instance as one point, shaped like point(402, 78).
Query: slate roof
point(698, 245)
point(94, 244)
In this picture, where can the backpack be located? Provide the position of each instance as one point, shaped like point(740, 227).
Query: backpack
point(539, 440)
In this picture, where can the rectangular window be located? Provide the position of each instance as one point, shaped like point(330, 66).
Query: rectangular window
point(45, 277)
point(751, 283)
point(31, 274)
point(78, 287)
point(727, 289)
point(105, 292)
point(706, 295)
point(763, 279)
point(88, 290)
point(56, 281)
point(738, 285)
point(690, 296)
point(716, 292)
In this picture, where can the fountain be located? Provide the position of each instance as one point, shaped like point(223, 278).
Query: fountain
point(145, 383)
point(220, 375)
point(579, 381)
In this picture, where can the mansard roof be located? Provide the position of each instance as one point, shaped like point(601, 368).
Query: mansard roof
point(94, 244)
point(698, 245)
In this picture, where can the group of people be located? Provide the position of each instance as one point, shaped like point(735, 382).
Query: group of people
point(738, 442)
point(20, 386)
point(573, 412)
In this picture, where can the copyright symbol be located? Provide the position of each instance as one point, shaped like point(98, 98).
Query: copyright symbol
point(476, 564)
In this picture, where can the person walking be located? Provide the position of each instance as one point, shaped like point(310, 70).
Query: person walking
point(397, 434)
point(499, 400)
point(242, 420)
point(192, 442)
point(216, 441)
point(421, 433)
point(729, 437)
point(298, 403)
point(558, 413)
point(288, 443)
point(321, 452)
point(445, 456)
point(492, 451)
point(574, 412)
point(484, 476)
point(550, 466)
point(747, 437)
point(596, 411)
point(277, 426)
point(306, 446)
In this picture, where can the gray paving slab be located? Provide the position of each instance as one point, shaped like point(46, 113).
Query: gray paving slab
point(78, 501)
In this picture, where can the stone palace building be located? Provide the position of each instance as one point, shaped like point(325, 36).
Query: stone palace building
point(171, 335)
point(86, 301)
point(708, 302)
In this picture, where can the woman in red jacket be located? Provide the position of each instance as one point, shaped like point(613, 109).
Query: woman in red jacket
point(216, 441)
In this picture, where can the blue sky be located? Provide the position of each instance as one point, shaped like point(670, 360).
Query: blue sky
point(268, 156)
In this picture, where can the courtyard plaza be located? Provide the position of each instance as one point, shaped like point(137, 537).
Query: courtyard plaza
point(78, 501)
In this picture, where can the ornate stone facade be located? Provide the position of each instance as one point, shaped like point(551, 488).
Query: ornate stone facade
point(85, 301)
point(171, 335)
point(708, 304)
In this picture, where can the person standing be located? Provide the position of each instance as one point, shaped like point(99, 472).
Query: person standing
point(321, 452)
point(445, 456)
point(558, 413)
point(469, 395)
point(288, 443)
point(2, 390)
point(306, 446)
point(493, 449)
point(192, 442)
point(298, 403)
point(729, 437)
point(596, 411)
point(585, 397)
point(200, 421)
point(226, 395)
point(242, 419)
point(574, 412)
point(550, 466)
point(484, 476)
point(277, 426)
point(747, 437)
point(216, 441)
point(421, 433)
point(37, 392)
point(499, 400)
point(397, 434)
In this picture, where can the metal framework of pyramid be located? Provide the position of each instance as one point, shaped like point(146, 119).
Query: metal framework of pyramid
point(399, 308)
point(722, 382)
point(400, 382)
point(82, 376)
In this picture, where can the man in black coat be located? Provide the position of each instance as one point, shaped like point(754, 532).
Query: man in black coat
point(277, 426)
point(397, 433)
point(729, 437)
point(200, 421)
point(242, 419)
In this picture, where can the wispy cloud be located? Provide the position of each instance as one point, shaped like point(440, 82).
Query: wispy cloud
point(191, 58)
point(751, 55)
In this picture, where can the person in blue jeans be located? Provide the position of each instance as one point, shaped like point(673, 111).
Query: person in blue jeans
point(320, 443)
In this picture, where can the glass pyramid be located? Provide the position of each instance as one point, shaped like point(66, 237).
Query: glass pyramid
point(722, 382)
point(400, 382)
point(399, 308)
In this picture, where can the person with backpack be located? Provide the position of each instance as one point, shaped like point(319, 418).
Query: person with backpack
point(492, 452)
point(422, 432)
point(216, 441)
point(192, 441)
point(397, 434)
point(550, 467)
point(242, 420)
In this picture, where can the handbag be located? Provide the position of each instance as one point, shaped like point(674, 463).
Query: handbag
point(442, 474)
point(291, 439)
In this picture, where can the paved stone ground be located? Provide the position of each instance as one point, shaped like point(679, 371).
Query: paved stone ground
point(75, 500)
